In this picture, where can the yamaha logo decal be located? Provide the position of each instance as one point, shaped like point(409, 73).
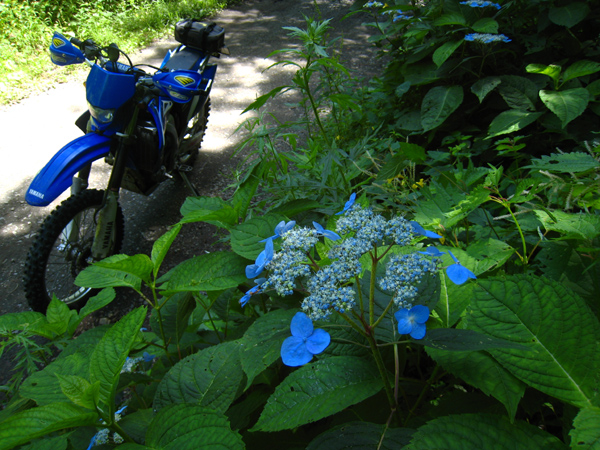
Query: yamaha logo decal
point(184, 80)
point(58, 42)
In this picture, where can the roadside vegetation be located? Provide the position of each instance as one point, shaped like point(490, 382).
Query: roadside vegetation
point(26, 27)
point(414, 262)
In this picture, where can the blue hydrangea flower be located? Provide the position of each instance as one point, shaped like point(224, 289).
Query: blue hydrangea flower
point(486, 38)
point(249, 293)
point(348, 204)
point(304, 343)
point(264, 258)
point(281, 229)
point(480, 4)
point(458, 273)
point(418, 229)
point(326, 233)
point(147, 357)
point(413, 321)
point(432, 251)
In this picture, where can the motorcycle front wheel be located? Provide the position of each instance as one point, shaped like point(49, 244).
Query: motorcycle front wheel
point(62, 248)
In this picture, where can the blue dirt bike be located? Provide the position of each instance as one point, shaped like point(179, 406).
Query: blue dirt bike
point(147, 126)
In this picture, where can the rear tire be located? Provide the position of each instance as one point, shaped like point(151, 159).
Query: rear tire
point(53, 262)
point(192, 139)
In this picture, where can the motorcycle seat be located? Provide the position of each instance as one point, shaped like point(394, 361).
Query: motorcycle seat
point(185, 59)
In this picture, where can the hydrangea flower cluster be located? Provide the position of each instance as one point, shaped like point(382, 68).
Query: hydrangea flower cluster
point(104, 436)
point(480, 4)
point(486, 38)
point(331, 287)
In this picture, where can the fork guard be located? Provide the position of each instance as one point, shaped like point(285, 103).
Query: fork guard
point(57, 175)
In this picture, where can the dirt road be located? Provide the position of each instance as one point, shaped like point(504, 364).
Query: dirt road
point(35, 129)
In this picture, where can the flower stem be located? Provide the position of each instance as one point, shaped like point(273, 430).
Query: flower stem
point(382, 372)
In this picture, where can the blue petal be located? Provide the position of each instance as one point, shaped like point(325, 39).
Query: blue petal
point(92, 442)
point(245, 299)
point(148, 357)
point(253, 270)
point(348, 204)
point(432, 235)
point(283, 227)
point(318, 227)
point(418, 331)
point(419, 313)
point(294, 352)
point(318, 341)
point(458, 274)
point(331, 235)
point(405, 326)
point(432, 251)
point(453, 257)
point(301, 325)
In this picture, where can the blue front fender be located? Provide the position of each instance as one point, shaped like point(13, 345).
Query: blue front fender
point(57, 176)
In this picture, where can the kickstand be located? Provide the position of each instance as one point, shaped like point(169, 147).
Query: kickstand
point(185, 178)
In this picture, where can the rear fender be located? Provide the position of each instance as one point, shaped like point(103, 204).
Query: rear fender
point(57, 175)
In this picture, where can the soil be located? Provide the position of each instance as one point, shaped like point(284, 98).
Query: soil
point(36, 128)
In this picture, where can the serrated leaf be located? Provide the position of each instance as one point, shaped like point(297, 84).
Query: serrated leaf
point(453, 301)
point(453, 18)
point(209, 272)
point(438, 104)
point(569, 15)
point(137, 265)
point(37, 422)
point(98, 301)
point(481, 431)
point(161, 246)
point(211, 210)
point(246, 237)
point(318, 390)
point(59, 316)
point(261, 344)
point(552, 70)
point(361, 436)
point(55, 443)
point(174, 317)
point(485, 25)
point(511, 121)
point(101, 277)
point(79, 390)
point(568, 104)
point(30, 321)
point(573, 162)
point(44, 388)
point(534, 311)
point(580, 68)
point(209, 378)
point(111, 352)
point(191, 427)
point(571, 225)
point(452, 339)
point(483, 87)
point(585, 434)
point(480, 370)
point(444, 51)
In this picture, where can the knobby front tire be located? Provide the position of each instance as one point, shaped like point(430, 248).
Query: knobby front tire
point(54, 260)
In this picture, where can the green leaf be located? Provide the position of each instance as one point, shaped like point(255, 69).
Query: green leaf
point(111, 352)
point(246, 237)
point(191, 427)
point(482, 371)
point(573, 162)
point(137, 265)
point(483, 87)
point(541, 314)
point(568, 15)
point(568, 104)
point(242, 197)
point(37, 422)
point(260, 101)
point(318, 390)
point(209, 272)
point(44, 387)
point(174, 316)
point(100, 277)
point(79, 390)
point(59, 316)
point(453, 18)
point(481, 431)
point(572, 225)
point(453, 301)
point(98, 301)
point(211, 210)
point(488, 254)
point(485, 25)
point(444, 51)
point(262, 341)
point(209, 378)
point(30, 321)
point(511, 121)
point(161, 246)
point(438, 104)
point(552, 70)
point(580, 69)
point(55, 443)
point(291, 208)
point(361, 436)
point(452, 339)
point(585, 434)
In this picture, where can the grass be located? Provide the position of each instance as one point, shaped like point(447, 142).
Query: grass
point(25, 66)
